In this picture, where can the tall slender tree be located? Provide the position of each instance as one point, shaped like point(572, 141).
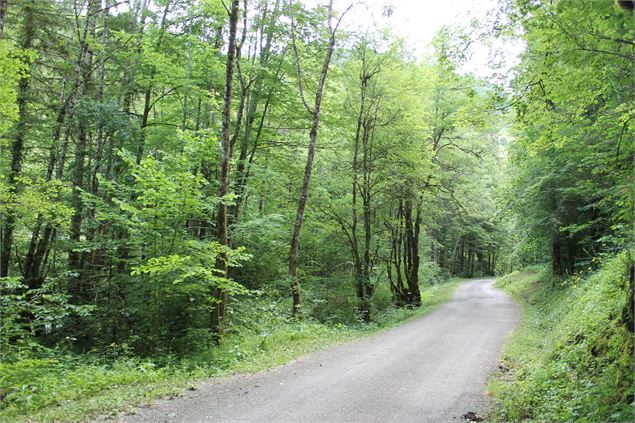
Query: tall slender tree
point(314, 112)
point(218, 313)
point(28, 37)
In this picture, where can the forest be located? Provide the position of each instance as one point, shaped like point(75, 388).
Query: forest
point(196, 187)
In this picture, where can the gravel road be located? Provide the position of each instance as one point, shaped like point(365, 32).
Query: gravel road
point(433, 369)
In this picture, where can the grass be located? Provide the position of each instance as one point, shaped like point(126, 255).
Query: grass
point(72, 388)
point(571, 358)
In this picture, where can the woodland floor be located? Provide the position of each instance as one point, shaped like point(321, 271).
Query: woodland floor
point(431, 369)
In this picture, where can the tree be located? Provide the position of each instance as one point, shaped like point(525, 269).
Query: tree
point(218, 315)
point(571, 164)
point(17, 148)
point(314, 112)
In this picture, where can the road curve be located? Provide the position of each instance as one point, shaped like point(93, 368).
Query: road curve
point(433, 369)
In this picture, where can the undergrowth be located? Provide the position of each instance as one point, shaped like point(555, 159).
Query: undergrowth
point(571, 358)
point(54, 386)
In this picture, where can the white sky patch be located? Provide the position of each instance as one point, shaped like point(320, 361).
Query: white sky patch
point(417, 21)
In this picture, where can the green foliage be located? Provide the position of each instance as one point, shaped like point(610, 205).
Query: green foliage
point(110, 173)
point(109, 188)
point(41, 311)
point(13, 67)
point(37, 199)
point(572, 172)
point(33, 384)
point(571, 357)
point(194, 275)
point(53, 386)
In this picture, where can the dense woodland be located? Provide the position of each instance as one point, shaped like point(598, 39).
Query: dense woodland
point(173, 171)
point(156, 169)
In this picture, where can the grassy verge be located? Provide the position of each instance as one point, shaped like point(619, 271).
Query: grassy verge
point(72, 388)
point(571, 358)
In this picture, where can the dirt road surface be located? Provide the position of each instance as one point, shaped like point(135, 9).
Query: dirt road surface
point(433, 369)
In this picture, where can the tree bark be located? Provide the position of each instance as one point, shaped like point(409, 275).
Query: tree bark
point(357, 265)
point(411, 252)
point(245, 157)
point(17, 148)
point(218, 313)
point(76, 258)
point(308, 168)
point(368, 287)
point(147, 98)
point(3, 12)
point(556, 255)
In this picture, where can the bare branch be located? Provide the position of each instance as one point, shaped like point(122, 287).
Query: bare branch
point(225, 6)
point(297, 60)
point(339, 20)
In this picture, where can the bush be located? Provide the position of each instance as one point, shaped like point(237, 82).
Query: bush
point(571, 358)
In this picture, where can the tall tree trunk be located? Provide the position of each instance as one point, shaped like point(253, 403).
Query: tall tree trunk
point(397, 256)
point(101, 135)
point(75, 257)
point(297, 227)
point(244, 164)
point(401, 297)
point(556, 255)
point(98, 257)
point(357, 265)
point(37, 252)
point(411, 252)
point(218, 313)
point(188, 73)
point(3, 12)
point(557, 267)
point(137, 27)
point(461, 263)
point(308, 168)
point(147, 98)
point(366, 204)
point(572, 249)
point(17, 148)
